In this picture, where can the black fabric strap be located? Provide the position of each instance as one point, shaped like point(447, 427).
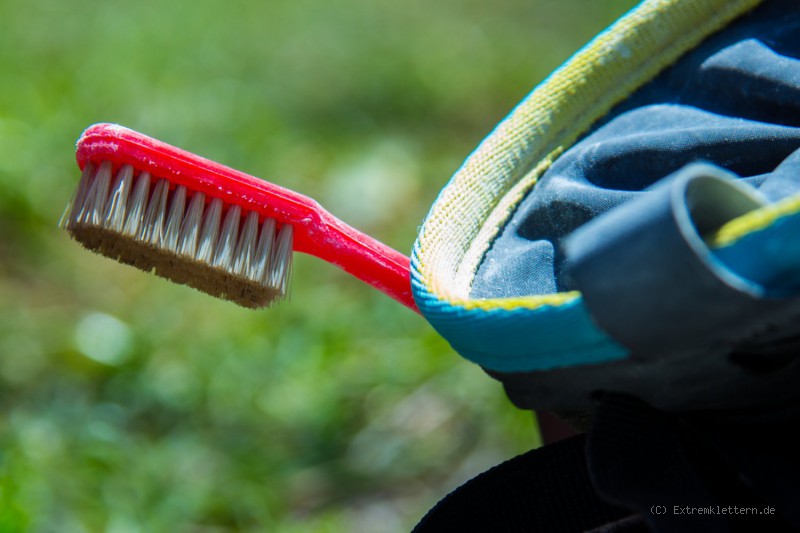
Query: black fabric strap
point(680, 473)
point(547, 489)
point(642, 469)
point(637, 459)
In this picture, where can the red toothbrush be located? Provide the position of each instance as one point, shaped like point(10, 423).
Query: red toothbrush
point(211, 227)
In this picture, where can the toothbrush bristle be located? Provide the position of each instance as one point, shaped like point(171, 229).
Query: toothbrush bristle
point(219, 249)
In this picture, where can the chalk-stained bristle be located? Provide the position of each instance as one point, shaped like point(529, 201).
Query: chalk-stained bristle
point(181, 235)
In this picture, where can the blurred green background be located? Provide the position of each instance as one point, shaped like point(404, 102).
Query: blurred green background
point(129, 404)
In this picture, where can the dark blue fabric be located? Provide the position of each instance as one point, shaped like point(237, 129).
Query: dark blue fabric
point(733, 102)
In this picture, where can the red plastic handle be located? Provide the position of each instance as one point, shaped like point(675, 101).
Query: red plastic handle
point(316, 231)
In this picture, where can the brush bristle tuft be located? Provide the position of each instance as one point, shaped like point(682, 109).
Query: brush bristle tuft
point(141, 220)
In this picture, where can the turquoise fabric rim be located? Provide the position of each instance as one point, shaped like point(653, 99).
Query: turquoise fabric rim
point(521, 339)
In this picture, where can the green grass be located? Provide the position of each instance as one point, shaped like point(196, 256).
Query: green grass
point(129, 404)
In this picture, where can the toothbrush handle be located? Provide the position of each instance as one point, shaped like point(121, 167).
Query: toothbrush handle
point(367, 259)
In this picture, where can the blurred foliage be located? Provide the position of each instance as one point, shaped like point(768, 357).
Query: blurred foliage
point(129, 404)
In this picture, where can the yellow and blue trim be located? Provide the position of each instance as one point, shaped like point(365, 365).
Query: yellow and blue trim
point(767, 236)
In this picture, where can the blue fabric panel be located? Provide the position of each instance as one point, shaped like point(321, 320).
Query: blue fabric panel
point(609, 168)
